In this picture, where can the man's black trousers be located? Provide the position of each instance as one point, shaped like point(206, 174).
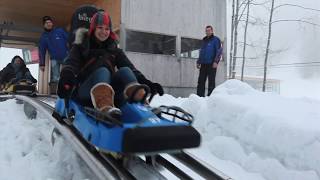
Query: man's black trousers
point(206, 71)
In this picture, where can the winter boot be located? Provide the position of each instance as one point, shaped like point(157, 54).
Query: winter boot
point(138, 91)
point(102, 99)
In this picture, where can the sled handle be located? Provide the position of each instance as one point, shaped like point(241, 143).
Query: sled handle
point(67, 102)
point(66, 105)
point(151, 97)
point(185, 115)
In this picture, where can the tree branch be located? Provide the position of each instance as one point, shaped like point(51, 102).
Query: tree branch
point(255, 22)
point(252, 45)
point(251, 58)
point(295, 20)
point(247, 4)
point(294, 5)
point(242, 12)
point(259, 4)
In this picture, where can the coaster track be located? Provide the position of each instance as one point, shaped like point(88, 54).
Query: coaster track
point(105, 166)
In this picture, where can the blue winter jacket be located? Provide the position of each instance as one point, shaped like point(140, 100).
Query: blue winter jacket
point(55, 42)
point(210, 51)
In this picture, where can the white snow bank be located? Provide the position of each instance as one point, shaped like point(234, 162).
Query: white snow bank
point(27, 153)
point(264, 133)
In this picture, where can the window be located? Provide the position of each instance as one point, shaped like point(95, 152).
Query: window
point(150, 43)
point(30, 56)
point(190, 48)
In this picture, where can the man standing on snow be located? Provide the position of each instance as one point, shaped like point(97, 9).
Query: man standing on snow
point(55, 41)
point(210, 55)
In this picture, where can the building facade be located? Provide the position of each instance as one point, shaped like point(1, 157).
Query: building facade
point(163, 39)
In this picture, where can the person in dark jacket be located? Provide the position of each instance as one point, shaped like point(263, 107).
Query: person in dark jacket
point(210, 55)
point(15, 71)
point(100, 71)
point(54, 40)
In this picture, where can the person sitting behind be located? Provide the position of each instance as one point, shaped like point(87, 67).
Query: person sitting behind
point(15, 71)
point(96, 71)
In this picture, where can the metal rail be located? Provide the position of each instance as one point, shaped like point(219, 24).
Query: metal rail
point(199, 167)
point(171, 167)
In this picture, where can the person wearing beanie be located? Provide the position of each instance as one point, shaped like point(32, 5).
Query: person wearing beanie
point(54, 40)
point(50, 21)
point(97, 73)
point(14, 71)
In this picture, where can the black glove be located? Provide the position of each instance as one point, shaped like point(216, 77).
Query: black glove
point(34, 80)
point(66, 84)
point(156, 88)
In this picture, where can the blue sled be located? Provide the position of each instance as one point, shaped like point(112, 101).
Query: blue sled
point(140, 129)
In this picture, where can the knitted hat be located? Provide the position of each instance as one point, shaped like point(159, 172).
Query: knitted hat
point(101, 18)
point(46, 18)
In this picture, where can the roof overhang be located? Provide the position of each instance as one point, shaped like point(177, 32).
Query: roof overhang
point(21, 21)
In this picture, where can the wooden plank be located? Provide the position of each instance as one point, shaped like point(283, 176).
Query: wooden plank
point(32, 11)
point(44, 76)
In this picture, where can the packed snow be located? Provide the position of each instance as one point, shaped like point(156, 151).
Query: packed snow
point(246, 134)
point(27, 151)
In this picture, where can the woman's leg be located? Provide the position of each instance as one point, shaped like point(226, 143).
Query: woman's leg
point(55, 71)
point(101, 75)
point(97, 89)
point(123, 78)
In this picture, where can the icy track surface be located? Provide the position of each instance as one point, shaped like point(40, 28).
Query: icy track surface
point(26, 151)
point(250, 135)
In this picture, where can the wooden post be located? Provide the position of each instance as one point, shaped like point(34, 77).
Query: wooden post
point(44, 77)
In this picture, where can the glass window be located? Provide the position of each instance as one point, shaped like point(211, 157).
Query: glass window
point(150, 43)
point(190, 48)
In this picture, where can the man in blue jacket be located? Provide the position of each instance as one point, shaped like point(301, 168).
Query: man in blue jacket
point(55, 41)
point(210, 55)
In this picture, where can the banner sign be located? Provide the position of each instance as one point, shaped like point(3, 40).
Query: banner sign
point(31, 56)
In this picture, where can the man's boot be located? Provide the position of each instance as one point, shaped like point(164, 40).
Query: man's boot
point(139, 94)
point(102, 99)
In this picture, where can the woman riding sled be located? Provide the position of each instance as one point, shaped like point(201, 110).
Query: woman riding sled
point(97, 73)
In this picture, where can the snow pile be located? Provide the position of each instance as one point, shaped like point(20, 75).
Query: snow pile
point(266, 134)
point(27, 153)
point(246, 134)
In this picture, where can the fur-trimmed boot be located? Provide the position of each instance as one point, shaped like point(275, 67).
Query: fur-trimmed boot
point(102, 99)
point(138, 91)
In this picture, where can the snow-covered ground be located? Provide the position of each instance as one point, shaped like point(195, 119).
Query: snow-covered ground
point(253, 135)
point(246, 134)
point(27, 152)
